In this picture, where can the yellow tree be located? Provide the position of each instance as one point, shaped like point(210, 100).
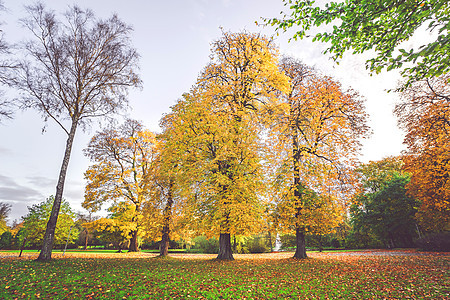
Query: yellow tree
point(313, 139)
point(424, 114)
point(122, 171)
point(162, 214)
point(118, 229)
point(215, 131)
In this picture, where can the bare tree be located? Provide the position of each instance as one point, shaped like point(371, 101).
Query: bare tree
point(6, 66)
point(76, 69)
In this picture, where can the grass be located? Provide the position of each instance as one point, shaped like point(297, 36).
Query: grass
point(93, 250)
point(265, 276)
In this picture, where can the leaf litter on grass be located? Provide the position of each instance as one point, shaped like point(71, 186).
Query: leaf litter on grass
point(250, 276)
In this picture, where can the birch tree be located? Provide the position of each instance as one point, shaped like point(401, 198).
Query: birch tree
point(77, 69)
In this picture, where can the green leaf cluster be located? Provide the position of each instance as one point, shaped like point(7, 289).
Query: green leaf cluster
point(35, 223)
point(376, 25)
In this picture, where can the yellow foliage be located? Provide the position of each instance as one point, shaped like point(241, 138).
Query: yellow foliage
point(312, 145)
point(214, 132)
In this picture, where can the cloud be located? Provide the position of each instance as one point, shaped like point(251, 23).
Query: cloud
point(10, 191)
point(41, 181)
point(5, 151)
point(20, 196)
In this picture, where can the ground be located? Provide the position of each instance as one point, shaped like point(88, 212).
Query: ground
point(372, 274)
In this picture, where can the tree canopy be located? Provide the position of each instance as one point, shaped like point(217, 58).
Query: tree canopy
point(424, 114)
point(215, 129)
point(313, 139)
point(382, 207)
point(124, 159)
point(380, 26)
point(34, 223)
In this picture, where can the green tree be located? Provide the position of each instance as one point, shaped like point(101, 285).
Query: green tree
point(6, 240)
point(385, 210)
point(376, 25)
point(34, 223)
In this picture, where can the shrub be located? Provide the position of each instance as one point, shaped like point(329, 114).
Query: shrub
point(6, 240)
point(288, 241)
point(257, 244)
point(435, 242)
point(205, 245)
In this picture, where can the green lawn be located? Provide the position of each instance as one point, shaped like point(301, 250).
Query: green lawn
point(268, 276)
point(93, 250)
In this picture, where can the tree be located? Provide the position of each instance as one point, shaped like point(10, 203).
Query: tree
point(165, 191)
point(6, 239)
point(34, 223)
point(5, 208)
point(216, 135)
point(424, 114)
point(313, 137)
point(376, 25)
point(124, 159)
point(6, 66)
point(118, 229)
point(381, 207)
point(85, 234)
point(79, 69)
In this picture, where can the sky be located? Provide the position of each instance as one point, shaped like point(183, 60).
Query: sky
point(174, 40)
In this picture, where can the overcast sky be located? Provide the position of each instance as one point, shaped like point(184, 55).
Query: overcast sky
point(173, 39)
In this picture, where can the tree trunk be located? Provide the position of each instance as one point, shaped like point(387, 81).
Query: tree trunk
point(134, 246)
point(164, 246)
point(225, 252)
point(300, 251)
point(49, 237)
point(22, 247)
point(86, 240)
point(270, 242)
point(165, 239)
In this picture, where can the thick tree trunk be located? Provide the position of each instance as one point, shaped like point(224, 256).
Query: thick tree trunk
point(225, 252)
point(164, 246)
point(134, 246)
point(49, 237)
point(165, 239)
point(300, 251)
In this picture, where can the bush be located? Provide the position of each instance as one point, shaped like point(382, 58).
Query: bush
point(6, 240)
point(257, 244)
point(435, 242)
point(288, 241)
point(335, 243)
point(154, 245)
point(210, 246)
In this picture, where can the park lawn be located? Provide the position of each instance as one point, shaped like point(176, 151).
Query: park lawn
point(93, 250)
point(265, 276)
